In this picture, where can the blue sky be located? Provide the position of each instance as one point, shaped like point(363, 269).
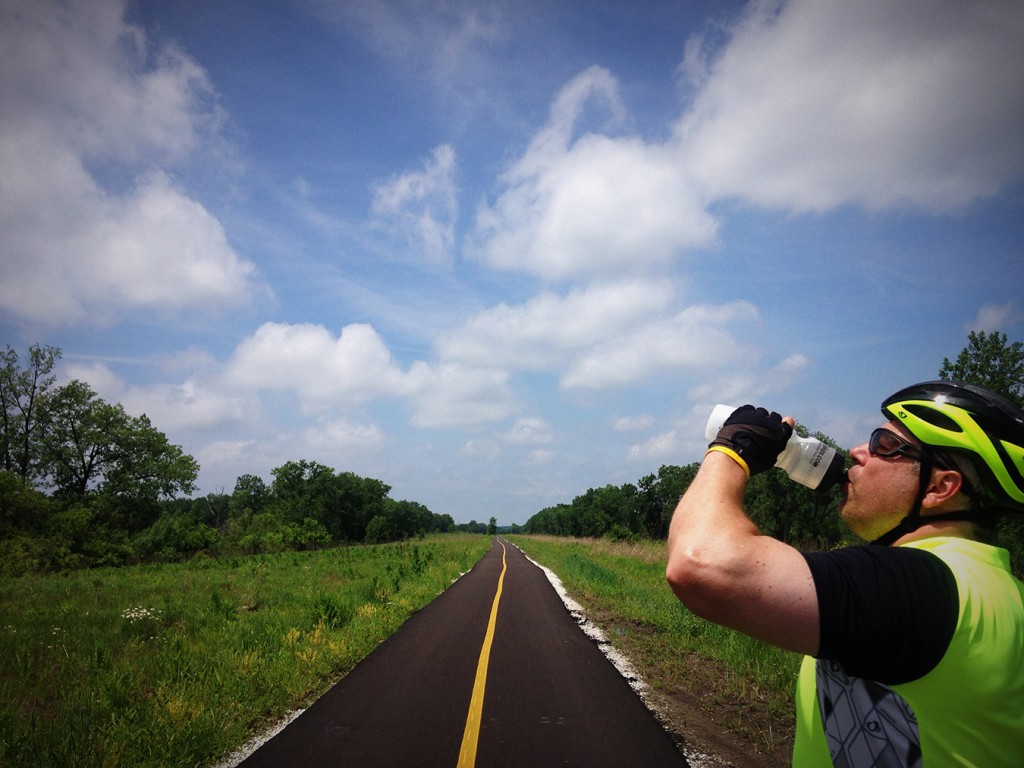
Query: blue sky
point(497, 253)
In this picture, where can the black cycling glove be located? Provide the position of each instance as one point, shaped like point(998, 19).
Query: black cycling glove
point(755, 436)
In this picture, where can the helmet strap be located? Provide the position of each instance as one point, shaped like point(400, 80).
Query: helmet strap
point(913, 520)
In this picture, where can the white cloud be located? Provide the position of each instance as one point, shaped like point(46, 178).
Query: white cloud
point(449, 43)
point(191, 405)
point(997, 317)
point(455, 395)
point(808, 106)
point(96, 83)
point(529, 431)
point(819, 103)
point(342, 436)
point(634, 423)
point(198, 404)
point(233, 458)
point(103, 381)
point(696, 340)
point(356, 368)
point(322, 371)
point(92, 225)
point(594, 206)
point(749, 383)
point(482, 448)
point(604, 335)
point(541, 456)
point(420, 208)
point(548, 327)
point(165, 249)
point(663, 446)
point(454, 52)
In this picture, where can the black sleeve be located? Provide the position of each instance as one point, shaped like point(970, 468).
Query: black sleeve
point(887, 613)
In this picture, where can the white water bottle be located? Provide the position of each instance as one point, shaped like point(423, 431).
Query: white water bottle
point(806, 460)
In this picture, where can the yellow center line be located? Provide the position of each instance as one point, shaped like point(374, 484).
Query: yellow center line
point(467, 755)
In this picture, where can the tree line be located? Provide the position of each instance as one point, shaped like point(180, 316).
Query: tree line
point(83, 483)
point(780, 508)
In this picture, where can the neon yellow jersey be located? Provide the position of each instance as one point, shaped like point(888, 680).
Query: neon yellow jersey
point(968, 710)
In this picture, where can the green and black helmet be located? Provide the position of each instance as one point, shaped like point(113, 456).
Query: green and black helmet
point(970, 429)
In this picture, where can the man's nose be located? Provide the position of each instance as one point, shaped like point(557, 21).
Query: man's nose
point(860, 453)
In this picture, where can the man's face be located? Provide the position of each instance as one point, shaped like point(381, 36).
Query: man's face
point(880, 490)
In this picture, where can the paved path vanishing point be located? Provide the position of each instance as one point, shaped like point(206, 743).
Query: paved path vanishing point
point(494, 672)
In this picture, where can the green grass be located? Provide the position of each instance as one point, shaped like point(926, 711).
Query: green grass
point(179, 664)
point(622, 586)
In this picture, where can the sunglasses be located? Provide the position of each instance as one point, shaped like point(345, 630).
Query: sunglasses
point(887, 444)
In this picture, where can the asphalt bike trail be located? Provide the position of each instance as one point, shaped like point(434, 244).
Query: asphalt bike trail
point(494, 672)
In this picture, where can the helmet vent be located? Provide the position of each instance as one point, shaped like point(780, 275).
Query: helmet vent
point(934, 417)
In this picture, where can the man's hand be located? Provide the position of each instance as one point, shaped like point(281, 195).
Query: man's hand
point(754, 436)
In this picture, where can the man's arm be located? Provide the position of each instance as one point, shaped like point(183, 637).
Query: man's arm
point(724, 570)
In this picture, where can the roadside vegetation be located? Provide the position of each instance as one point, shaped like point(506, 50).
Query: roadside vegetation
point(84, 484)
point(178, 664)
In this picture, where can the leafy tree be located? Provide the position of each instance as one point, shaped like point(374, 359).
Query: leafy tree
point(310, 535)
point(114, 482)
point(22, 508)
point(23, 395)
point(406, 518)
point(79, 444)
point(213, 509)
point(989, 361)
point(792, 512)
point(492, 526)
point(378, 530)
point(671, 485)
point(343, 502)
point(174, 536)
point(648, 507)
point(359, 500)
point(441, 523)
point(593, 511)
point(249, 498)
point(146, 466)
point(779, 506)
point(92, 445)
point(301, 489)
point(548, 520)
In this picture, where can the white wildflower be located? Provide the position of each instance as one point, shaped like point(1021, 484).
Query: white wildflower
point(138, 613)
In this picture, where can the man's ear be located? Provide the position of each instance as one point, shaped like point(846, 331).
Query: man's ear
point(944, 485)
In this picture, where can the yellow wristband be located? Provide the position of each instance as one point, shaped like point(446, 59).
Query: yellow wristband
point(731, 454)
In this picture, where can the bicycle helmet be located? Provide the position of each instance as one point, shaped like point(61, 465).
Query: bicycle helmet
point(967, 428)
